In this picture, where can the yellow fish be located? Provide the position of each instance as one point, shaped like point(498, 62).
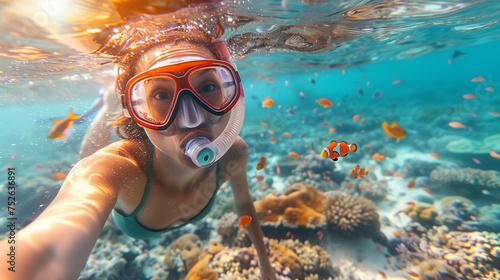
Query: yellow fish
point(394, 130)
point(61, 127)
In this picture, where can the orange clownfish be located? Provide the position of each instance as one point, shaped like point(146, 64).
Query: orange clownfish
point(244, 221)
point(335, 150)
point(394, 130)
point(359, 172)
point(61, 128)
point(261, 164)
point(324, 102)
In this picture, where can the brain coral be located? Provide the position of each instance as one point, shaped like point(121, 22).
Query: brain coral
point(351, 215)
point(299, 205)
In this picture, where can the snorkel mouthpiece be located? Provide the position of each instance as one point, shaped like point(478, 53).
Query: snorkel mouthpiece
point(201, 151)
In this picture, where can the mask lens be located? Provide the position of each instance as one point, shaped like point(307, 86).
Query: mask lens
point(153, 99)
point(214, 84)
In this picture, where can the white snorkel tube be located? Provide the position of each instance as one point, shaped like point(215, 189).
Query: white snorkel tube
point(204, 153)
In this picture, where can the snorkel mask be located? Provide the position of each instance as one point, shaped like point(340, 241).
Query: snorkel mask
point(171, 88)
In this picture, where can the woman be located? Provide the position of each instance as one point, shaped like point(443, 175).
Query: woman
point(183, 104)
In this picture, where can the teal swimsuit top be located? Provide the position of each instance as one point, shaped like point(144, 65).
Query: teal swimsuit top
point(133, 228)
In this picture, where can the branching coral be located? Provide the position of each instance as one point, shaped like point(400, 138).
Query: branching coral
point(351, 215)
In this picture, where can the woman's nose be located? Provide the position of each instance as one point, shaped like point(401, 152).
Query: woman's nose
point(190, 114)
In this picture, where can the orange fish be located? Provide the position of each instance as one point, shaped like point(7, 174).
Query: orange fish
point(244, 221)
point(394, 130)
point(434, 155)
point(478, 79)
point(268, 102)
point(456, 125)
point(414, 274)
point(262, 163)
point(331, 130)
point(358, 172)
point(324, 124)
point(60, 176)
point(259, 177)
point(38, 165)
point(427, 190)
point(273, 139)
point(476, 160)
point(271, 80)
point(494, 113)
point(494, 154)
point(371, 167)
point(490, 89)
point(469, 96)
point(396, 233)
point(355, 118)
point(378, 157)
point(293, 155)
point(411, 184)
point(61, 128)
point(301, 94)
point(410, 203)
point(264, 124)
point(335, 150)
point(286, 134)
point(324, 102)
point(396, 82)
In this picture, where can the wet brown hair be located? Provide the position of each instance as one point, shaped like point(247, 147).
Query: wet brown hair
point(127, 128)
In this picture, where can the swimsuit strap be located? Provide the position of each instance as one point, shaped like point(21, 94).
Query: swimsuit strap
point(150, 159)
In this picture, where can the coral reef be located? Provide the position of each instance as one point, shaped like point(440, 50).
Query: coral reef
point(182, 255)
point(117, 256)
point(416, 168)
point(290, 259)
point(230, 234)
point(436, 269)
point(303, 211)
point(315, 169)
point(468, 180)
point(299, 205)
point(351, 215)
point(423, 213)
point(371, 189)
point(475, 255)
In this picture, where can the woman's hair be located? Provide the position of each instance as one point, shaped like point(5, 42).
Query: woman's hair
point(127, 128)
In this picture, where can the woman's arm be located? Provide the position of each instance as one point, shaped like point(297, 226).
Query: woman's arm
point(56, 244)
point(236, 168)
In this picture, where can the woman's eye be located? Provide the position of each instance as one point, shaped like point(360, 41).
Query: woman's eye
point(161, 95)
point(208, 88)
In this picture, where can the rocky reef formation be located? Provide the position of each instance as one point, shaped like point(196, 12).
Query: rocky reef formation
point(304, 212)
point(182, 255)
point(467, 181)
point(290, 259)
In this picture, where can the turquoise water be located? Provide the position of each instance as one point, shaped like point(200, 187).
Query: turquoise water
point(428, 97)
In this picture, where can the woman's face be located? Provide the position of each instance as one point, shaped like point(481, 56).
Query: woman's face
point(172, 141)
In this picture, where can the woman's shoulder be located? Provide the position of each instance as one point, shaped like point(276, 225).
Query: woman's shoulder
point(119, 158)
